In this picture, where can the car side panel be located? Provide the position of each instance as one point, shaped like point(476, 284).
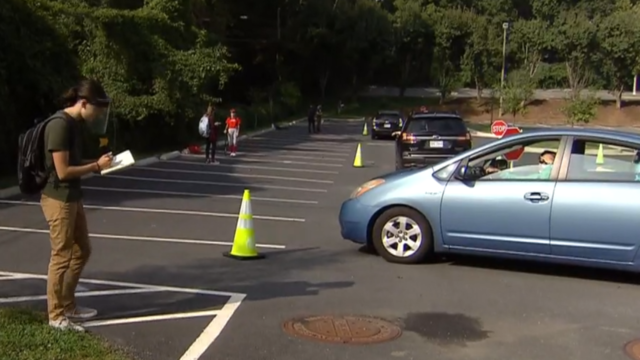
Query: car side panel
point(596, 221)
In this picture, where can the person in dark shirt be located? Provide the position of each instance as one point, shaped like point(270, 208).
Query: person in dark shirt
point(311, 118)
point(212, 139)
point(61, 199)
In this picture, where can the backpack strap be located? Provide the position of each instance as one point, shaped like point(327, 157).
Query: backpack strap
point(72, 141)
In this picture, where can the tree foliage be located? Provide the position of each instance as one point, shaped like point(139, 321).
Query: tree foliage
point(163, 61)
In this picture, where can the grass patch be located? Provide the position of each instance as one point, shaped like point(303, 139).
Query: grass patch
point(25, 335)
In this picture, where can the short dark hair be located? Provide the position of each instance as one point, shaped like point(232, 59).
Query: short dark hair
point(548, 152)
point(87, 89)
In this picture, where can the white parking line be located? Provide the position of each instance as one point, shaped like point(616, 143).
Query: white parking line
point(248, 159)
point(293, 142)
point(278, 149)
point(318, 148)
point(140, 319)
point(203, 195)
point(256, 186)
point(286, 178)
point(208, 335)
point(254, 167)
point(142, 238)
point(162, 211)
point(329, 157)
point(15, 299)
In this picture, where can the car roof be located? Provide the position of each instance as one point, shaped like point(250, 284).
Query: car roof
point(389, 112)
point(611, 134)
point(433, 114)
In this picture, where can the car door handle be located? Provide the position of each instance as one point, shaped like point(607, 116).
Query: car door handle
point(536, 196)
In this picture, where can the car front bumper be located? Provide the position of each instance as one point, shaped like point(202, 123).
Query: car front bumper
point(354, 220)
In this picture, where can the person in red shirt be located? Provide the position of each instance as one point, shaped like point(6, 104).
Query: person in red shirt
point(232, 130)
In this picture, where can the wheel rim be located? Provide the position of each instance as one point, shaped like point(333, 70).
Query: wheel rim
point(401, 236)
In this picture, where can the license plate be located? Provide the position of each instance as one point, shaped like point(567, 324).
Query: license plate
point(436, 144)
point(387, 125)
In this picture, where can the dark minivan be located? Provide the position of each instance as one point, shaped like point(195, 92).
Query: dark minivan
point(429, 137)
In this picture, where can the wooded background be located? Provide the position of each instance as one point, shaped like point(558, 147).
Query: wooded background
point(162, 61)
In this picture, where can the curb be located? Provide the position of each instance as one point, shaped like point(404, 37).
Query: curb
point(15, 190)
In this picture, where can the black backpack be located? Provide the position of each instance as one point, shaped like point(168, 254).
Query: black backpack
point(32, 172)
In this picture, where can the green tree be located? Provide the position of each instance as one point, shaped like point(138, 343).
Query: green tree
point(619, 40)
point(450, 32)
point(518, 92)
point(581, 109)
point(481, 59)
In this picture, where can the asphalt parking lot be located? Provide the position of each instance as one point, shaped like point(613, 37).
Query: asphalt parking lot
point(164, 289)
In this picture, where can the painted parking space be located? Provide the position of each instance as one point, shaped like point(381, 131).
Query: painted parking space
point(131, 304)
point(168, 224)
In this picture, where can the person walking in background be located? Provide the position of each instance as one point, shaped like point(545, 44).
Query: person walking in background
point(211, 135)
point(232, 129)
point(318, 118)
point(86, 103)
point(311, 118)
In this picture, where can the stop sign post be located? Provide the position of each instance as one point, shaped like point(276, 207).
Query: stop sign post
point(515, 154)
point(499, 128)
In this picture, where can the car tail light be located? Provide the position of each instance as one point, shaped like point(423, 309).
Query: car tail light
point(465, 138)
point(409, 138)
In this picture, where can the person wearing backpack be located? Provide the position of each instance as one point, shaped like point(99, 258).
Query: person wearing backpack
point(208, 128)
point(50, 161)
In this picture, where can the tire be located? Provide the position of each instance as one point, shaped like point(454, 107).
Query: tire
point(374, 136)
point(423, 240)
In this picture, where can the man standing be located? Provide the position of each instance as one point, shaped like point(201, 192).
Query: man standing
point(212, 138)
point(232, 130)
point(311, 118)
point(318, 118)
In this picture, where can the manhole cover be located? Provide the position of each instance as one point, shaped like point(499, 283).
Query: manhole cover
point(359, 330)
point(632, 349)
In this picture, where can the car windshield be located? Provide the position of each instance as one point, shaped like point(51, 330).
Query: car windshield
point(437, 125)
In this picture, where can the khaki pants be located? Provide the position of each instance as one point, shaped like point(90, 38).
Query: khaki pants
point(70, 251)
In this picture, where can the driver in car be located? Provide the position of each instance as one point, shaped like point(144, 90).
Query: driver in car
point(545, 161)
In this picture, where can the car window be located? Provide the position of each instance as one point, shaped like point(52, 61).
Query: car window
point(593, 161)
point(535, 163)
point(438, 125)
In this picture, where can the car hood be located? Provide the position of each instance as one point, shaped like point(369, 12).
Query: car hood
point(401, 174)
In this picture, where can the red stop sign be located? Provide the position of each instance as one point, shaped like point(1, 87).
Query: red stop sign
point(515, 154)
point(499, 128)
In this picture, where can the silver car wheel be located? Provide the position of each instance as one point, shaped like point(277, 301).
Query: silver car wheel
point(401, 236)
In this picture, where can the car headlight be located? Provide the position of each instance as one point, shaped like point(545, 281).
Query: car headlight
point(366, 187)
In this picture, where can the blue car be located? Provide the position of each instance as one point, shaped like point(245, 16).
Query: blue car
point(573, 196)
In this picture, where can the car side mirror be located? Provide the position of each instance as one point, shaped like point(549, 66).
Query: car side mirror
point(466, 172)
point(461, 174)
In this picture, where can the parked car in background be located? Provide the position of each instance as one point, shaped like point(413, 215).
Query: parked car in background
point(580, 209)
point(429, 137)
point(385, 123)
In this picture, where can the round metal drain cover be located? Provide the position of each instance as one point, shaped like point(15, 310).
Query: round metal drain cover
point(632, 349)
point(359, 330)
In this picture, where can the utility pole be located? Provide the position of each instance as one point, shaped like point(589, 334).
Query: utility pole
point(505, 29)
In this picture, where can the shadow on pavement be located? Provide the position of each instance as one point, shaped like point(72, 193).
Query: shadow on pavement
point(532, 267)
point(260, 279)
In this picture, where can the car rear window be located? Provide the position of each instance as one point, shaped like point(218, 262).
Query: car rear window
point(437, 125)
point(388, 116)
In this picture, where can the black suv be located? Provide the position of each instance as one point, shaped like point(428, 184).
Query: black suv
point(428, 137)
point(385, 123)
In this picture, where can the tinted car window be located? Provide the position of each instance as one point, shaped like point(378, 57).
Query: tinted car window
point(437, 125)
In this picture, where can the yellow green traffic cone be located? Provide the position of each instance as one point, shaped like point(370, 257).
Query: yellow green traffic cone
point(357, 161)
point(244, 244)
point(600, 156)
